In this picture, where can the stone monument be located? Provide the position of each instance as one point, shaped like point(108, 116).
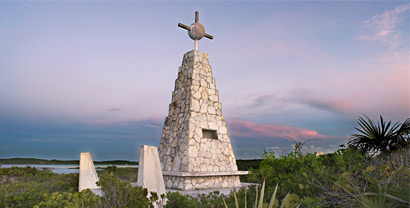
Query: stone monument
point(195, 148)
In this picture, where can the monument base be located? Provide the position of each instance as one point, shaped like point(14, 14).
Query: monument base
point(224, 191)
point(202, 180)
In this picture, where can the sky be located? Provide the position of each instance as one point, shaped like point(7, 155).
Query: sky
point(89, 76)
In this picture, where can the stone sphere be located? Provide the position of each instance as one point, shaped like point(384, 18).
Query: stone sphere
point(196, 31)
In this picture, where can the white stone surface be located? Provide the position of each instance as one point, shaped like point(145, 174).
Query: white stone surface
point(87, 173)
point(149, 170)
point(195, 107)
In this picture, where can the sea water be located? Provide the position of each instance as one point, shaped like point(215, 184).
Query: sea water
point(62, 169)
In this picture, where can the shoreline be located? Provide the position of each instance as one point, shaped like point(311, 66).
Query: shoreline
point(35, 161)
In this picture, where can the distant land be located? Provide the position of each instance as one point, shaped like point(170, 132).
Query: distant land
point(242, 164)
point(35, 161)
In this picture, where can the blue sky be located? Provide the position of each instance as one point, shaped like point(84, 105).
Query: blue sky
point(85, 76)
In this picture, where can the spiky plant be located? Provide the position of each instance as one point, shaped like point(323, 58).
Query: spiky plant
point(259, 202)
point(380, 137)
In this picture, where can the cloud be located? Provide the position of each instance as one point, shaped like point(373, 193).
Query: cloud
point(149, 122)
point(250, 139)
point(383, 27)
point(374, 90)
point(250, 129)
point(114, 109)
point(256, 104)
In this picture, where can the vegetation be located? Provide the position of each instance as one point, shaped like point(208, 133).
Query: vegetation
point(305, 174)
point(124, 174)
point(346, 178)
point(119, 193)
point(30, 187)
point(26, 187)
point(381, 137)
point(241, 198)
point(373, 172)
point(384, 182)
point(67, 199)
point(350, 177)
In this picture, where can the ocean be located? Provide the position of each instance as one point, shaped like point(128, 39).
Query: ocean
point(62, 169)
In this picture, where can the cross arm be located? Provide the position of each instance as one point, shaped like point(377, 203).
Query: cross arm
point(209, 36)
point(183, 26)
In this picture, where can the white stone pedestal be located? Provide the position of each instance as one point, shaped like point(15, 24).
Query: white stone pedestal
point(149, 170)
point(87, 173)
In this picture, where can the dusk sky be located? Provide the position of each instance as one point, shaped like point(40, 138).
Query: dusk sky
point(88, 76)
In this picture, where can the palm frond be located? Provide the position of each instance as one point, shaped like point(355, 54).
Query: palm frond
point(381, 136)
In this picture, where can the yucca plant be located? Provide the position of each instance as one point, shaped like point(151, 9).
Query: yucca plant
point(372, 200)
point(384, 195)
point(259, 202)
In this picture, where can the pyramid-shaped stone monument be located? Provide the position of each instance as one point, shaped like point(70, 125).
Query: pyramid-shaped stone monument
point(195, 148)
point(88, 175)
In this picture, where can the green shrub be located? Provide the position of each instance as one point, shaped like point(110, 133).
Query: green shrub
point(122, 194)
point(176, 200)
point(25, 187)
point(307, 176)
point(384, 181)
point(21, 194)
point(84, 198)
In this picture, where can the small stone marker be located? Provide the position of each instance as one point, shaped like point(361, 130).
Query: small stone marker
point(149, 170)
point(88, 175)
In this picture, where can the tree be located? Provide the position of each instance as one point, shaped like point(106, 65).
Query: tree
point(381, 137)
point(299, 145)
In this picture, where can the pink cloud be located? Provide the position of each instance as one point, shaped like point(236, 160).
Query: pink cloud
point(277, 42)
point(373, 90)
point(252, 129)
point(384, 26)
point(114, 109)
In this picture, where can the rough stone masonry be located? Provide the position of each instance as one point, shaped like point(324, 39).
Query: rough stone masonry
point(195, 149)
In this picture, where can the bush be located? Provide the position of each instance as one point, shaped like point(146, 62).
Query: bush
point(25, 187)
point(384, 181)
point(122, 194)
point(343, 179)
point(176, 200)
point(84, 198)
point(307, 176)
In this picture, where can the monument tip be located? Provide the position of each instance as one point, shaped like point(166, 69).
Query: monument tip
point(196, 30)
